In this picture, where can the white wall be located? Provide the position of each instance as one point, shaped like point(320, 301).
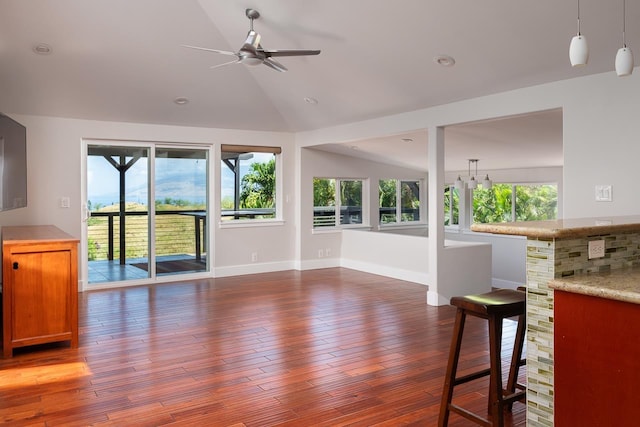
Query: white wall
point(466, 266)
point(316, 163)
point(508, 256)
point(54, 171)
point(600, 133)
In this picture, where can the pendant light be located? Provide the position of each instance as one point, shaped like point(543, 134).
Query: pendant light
point(578, 49)
point(487, 183)
point(459, 183)
point(624, 57)
point(472, 182)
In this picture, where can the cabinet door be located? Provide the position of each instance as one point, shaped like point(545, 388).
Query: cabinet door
point(41, 294)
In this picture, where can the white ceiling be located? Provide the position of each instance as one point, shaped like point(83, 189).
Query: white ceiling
point(122, 60)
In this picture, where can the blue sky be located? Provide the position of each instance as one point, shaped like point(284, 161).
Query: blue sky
point(176, 178)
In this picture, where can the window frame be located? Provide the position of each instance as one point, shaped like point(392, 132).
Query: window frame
point(278, 187)
point(514, 200)
point(364, 209)
point(399, 222)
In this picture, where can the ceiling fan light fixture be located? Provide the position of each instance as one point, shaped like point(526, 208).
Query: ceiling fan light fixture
point(251, 61)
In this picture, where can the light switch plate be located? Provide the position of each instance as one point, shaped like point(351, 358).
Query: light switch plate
point(603, 193)
point(596, 249)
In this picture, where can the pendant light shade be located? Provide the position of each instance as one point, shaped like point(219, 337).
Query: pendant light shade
point(624, 62)
point(472, 184)
point(487, 183)
point(624, 57)
point(578, 51)
point(459, 183)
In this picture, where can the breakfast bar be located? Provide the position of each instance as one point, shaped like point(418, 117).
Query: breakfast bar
point(583, 312)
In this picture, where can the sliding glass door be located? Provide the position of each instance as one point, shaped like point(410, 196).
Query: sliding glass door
point(147, 207)
point(180, 210)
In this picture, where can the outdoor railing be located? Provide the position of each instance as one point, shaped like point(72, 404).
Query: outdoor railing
point(176, 232)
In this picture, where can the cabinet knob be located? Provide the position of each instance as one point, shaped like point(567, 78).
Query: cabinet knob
point(15, 265)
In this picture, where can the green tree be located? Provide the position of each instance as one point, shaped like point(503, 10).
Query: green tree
point(258, 186)
point(493, 205)
point(324, 192)
point(536, 202)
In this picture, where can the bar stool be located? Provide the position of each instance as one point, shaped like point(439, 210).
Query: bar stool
point(494, 306)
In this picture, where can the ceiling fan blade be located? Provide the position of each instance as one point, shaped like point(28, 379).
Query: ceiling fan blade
point(226, 63)
point(290, 52)
point(271, 63)
point(224, 52)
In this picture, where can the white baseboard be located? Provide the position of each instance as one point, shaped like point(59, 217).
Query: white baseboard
point(263, 267)
point(315, 264)
point(395, 273)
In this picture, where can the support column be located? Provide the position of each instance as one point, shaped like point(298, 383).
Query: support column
point(435, 163)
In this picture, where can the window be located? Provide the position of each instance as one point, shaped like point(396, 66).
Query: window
point(337, 202)
point(451, 205)
point(248, 182)
point(399, 201)
point(504, 202)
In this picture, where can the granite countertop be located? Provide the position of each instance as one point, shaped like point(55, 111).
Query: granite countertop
point(562, 228)
point(620, 284)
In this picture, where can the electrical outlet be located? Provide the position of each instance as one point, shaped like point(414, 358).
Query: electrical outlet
point(254, 256)
point(65, 202)
point(596, 249)
point(320, 253)
point(327, 252)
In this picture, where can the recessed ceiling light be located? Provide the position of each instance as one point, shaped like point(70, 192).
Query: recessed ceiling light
point(354, 147)
point(310, 100)
point(444, 60)
point(42, 49)
point(181, 100)
point(407, 140)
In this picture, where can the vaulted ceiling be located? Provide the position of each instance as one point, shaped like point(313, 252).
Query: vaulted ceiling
point(122, 60)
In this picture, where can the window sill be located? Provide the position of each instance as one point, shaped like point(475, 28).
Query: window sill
point(247, 223)
point(398, 225)
point(329, 230)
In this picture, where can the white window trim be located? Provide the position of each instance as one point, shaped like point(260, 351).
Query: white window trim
point(279, 205)
point(337, 226)
point(398, 222)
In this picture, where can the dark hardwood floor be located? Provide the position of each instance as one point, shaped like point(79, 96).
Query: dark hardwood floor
point(332, 347)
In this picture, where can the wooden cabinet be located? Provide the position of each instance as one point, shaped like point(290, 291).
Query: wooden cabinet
point(597, 354)
point(40, 287)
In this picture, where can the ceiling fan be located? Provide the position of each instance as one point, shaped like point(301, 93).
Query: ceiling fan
point(252, 53)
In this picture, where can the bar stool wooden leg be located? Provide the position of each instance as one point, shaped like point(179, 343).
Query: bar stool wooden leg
point(495, 376)
point(452, 366)
point(516, 358)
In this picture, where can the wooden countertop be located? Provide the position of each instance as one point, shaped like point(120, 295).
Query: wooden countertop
point(562, 228)
point(621, 284)
point(34, 233)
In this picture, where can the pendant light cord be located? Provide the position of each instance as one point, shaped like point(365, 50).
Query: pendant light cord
point(579, 18)
point(624, 23)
